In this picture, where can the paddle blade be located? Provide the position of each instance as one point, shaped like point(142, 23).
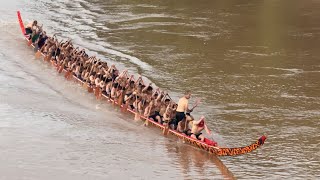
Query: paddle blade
point(90, 89)
point(67, 75)
point(47, 58)
point(60, 69)
point(38, 54)
point(57, 66)
point(113, 101)
point(36, 48)
point(197, 102)
point(84, 85)
point(146, 123)
point(120, 100)
point(97, 92)
point(53, 63)
point(165, 130)
point(124, 107)
point(136, 116)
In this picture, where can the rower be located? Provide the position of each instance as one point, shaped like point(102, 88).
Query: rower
point(42, 39)
point(113, 91)
point(167, 116)
point(137, 104)
point(108, 86)
point(197, 127)
point(77, 70)
point(36, 31)
point(102, 84)
point(119, 92)
point(173, 115)
point(129, 89)
point(157, 105)
point(129, 101)
point(163, 106)
point(147, 93)
point(31, 27)
point(185, 126)
point(182, 108)
point(97, 81)
point(92, 79)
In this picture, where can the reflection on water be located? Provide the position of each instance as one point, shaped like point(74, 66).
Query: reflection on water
point(205, 165)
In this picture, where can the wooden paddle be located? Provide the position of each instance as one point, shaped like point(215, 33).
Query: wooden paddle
point(100, 93)
point(85, 85)
point(90, 89)
point(196, 103)
point(67, 75)
point(136, 114)
point(104, 87)
point(114, 99)
point(120, 98)
point(55, 53)
point(97, 92)
point(125, 106)
point(36, 47)
point(47, 57)
point(58, 64)
point(30, 42)
point(38, 54)
point(60, 68)
point(146, 122)
point(166, 129)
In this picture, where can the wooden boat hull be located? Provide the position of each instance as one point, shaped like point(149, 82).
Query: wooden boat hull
point(219, 151)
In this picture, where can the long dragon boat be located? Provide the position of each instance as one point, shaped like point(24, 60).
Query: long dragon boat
point(208, 145)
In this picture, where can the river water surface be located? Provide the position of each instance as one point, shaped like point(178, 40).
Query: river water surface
point(254, 64)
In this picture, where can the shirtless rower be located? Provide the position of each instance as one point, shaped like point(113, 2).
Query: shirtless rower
point(167, 115)
point(42, 39)
point(108, 86)
point(182, 108)
point(197, 127)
